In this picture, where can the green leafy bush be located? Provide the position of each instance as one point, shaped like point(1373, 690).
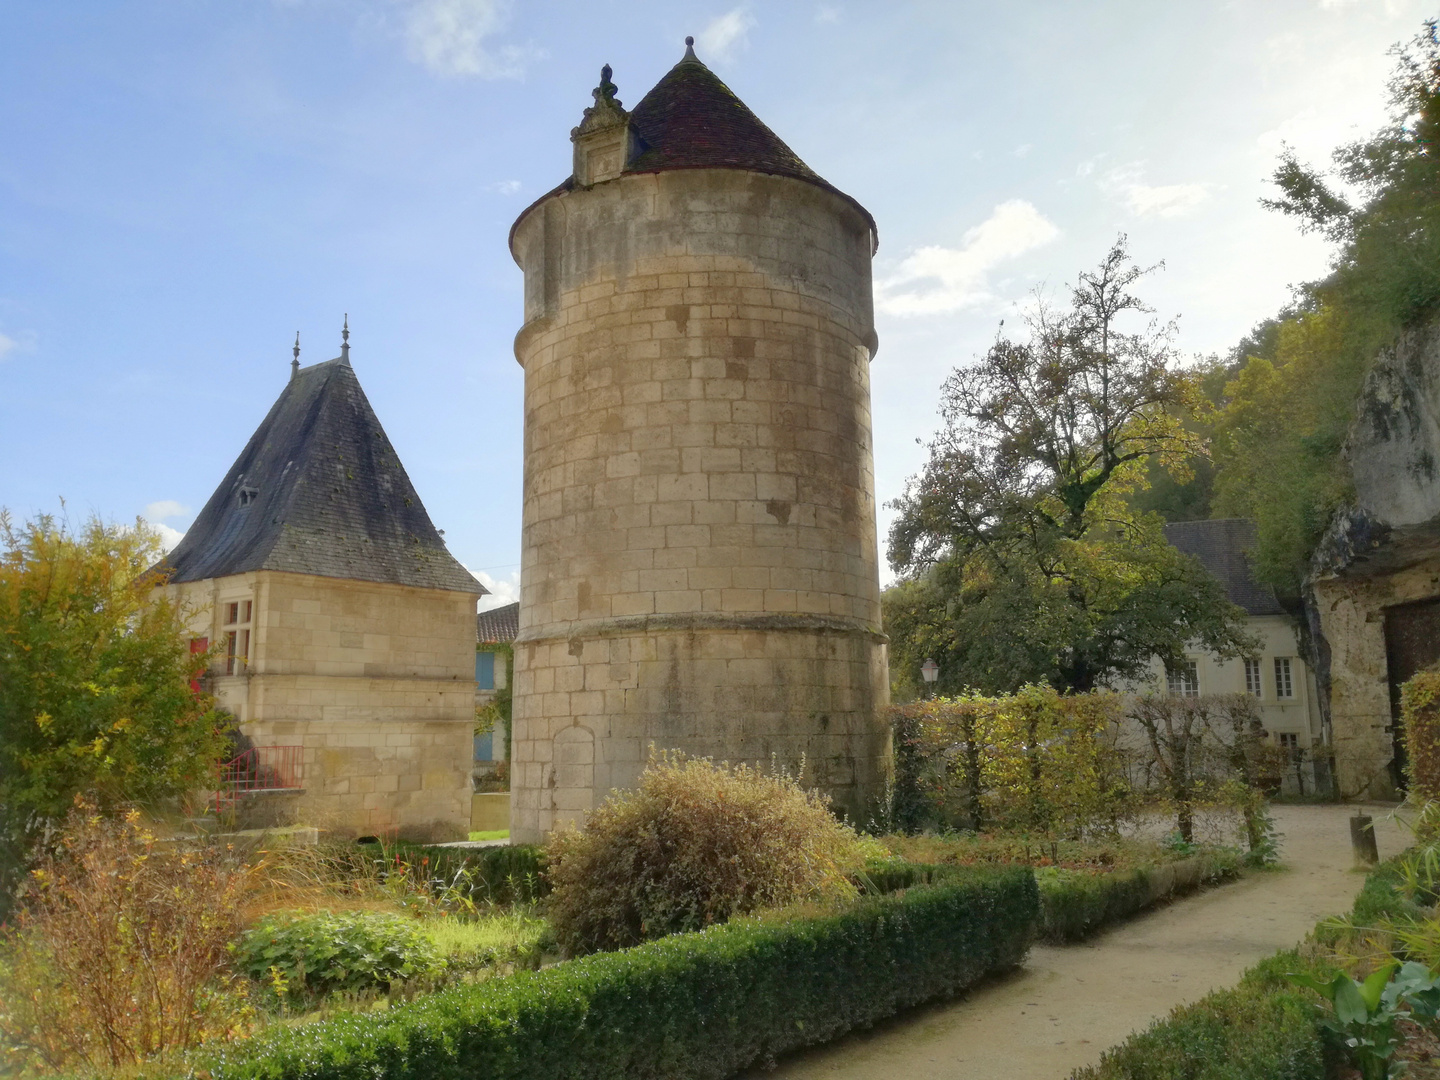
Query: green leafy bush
point(308, 956)
point(702, 1005)
point(693, 845)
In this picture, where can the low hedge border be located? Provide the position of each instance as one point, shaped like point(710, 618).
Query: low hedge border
point(702, 1005)
point(1263, 1028)
point(1075, 904)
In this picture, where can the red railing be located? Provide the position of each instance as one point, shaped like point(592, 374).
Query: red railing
point(261, 768)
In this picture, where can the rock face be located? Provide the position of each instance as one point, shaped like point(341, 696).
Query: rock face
point(700, 567)
point(1396, 438)
point(1374, 603)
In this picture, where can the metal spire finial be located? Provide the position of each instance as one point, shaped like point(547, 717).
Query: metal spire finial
point(345, 340)
point(295, 363)
point(690, 49)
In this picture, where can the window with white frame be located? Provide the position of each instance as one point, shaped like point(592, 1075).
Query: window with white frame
point(237, 635)
point(1182, 679)
point(1284, 681)
point(1252, 678)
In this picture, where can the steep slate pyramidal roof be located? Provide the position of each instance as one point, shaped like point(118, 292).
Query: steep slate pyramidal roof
point(1223, 546)
point(319, 490)
point(691, 120)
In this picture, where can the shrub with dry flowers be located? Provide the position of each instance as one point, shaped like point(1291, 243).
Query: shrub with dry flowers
point(693, 845)
point(122, 949)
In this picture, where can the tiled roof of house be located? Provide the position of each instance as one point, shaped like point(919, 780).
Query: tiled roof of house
point(498, 625)
point(1223, 546)
point(691, 120)
point(319, 490)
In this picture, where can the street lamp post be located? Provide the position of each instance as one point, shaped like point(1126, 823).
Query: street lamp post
point(930, 671)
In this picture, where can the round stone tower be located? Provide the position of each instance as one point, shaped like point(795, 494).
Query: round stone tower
point(699, 553)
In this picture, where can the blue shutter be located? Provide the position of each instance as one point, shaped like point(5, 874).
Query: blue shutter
point(485, 670)
point(485, 747)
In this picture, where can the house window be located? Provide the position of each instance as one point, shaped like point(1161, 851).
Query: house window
point(248, 495)
point(1182, 679)
point(237, 636)
point(485, 670)
point(1289, 742)
point(1284, 685)
point(1252, 678)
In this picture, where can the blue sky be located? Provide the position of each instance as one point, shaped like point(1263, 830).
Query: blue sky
point(185, 183)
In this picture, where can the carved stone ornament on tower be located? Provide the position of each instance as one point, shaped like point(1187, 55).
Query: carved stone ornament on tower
point(603, 139)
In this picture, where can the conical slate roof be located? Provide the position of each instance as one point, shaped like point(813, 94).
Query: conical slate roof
point(691, 120)
point(319, 490)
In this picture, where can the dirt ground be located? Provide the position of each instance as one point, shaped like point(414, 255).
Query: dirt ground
point(1068, 1004)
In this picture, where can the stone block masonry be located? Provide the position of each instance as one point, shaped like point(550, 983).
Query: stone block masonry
point(375, 682)
point(700, 560)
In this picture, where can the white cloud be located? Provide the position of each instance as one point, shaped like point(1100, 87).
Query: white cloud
point(936, 280)
point(165, 508)
point(504, 187)
point(503, 591)
point(1148, 200)
point(168, 537)
point(449, 37)
point(723, 35)
point(156, 514)
point(825, 13)
point(6, 344)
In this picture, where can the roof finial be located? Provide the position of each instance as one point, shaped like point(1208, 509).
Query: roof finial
point(295, 363)
point(345, 340)
point(690, 49)
point(606, 91)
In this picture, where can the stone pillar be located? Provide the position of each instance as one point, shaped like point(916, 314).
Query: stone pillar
point(699, 553)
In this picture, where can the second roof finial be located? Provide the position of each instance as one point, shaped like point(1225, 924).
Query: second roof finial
point(295, 363)
point(690, 49)
point(345, 340)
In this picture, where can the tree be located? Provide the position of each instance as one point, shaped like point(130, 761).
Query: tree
point(1207, 752)
point(95, 681)
point(1387, 263)
point(1025, 556)
point(1291, 401)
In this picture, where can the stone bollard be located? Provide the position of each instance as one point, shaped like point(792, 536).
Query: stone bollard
point(1362, 840)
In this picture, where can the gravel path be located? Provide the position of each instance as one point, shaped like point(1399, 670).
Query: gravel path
point(1068, 1004)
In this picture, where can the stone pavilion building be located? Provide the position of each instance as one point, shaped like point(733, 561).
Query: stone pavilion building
point(348, 629)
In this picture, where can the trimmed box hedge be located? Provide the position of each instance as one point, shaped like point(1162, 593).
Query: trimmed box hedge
point(1075, 905)
point(702, 1005)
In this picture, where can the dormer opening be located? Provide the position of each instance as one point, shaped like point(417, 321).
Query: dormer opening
point(247, 496)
